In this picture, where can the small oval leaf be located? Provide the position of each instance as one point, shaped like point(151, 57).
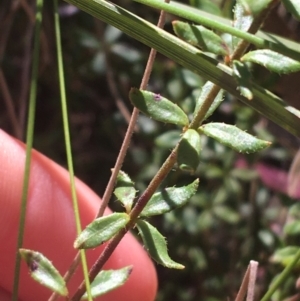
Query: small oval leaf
point(125, 191)
point(158, 107)
point(200, 36)
point(189, 151)
point(294, 211)
point(272, 60)
point(101, 230)
point(292, 228)
point(226, 214)
point(168, 140)
point(42, 270)
point(108, 280)
point(234, 138)
point(203, 95)
point(241, 20)
point(169, 199)
point(156, 245)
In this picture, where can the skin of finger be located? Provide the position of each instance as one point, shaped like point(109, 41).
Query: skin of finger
point(50, 227)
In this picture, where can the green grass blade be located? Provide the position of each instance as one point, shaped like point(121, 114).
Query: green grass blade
point(68, 143)
point(29, 142)
point(191, 58)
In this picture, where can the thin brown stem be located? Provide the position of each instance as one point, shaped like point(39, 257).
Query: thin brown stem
point(254, 27)
point(119, 163)
point(9, 105)
point(243, 288)
point(130, 129)
point(252, 280)
point(110, 77)
point(248, 283)
point(28, 10)
point(68, 275)
point(6, 25)
point(196, 122)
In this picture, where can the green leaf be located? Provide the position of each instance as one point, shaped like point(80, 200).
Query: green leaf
point(244, 174)
point(197, 256)
point(234, 138)
point(169, 199)
point(200, 36)
point(205, 220)
point(254, 7)
point(156, 245)
point(125, 191)
point(168, 139)
point(42, 270)
point(202, 97)
point(286, 255)
point(189, 151)
point(293, 6)
point(292, 228)
point(157, 107)
point(101, 230)
point(226, 214)
point(273, 61)
point(241, 21)
point(108, 280)
point(294, 211)
point(214, 172)
point(243, 77)
point(266, 237)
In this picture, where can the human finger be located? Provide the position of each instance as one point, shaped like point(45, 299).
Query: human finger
point(50, 227)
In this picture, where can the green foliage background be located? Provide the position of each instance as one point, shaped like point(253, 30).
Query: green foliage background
point(233, 218)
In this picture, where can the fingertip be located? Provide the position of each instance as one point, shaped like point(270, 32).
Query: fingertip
point(50, 226)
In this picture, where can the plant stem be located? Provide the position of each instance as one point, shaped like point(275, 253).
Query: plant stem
point(29, 142)
point(10, 105)
point(108, 192)
point(196, 122)
point(252, 280)
point(243, 288)
point(130, 129)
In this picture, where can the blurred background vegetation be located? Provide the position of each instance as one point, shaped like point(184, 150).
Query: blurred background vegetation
point(243, 210)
